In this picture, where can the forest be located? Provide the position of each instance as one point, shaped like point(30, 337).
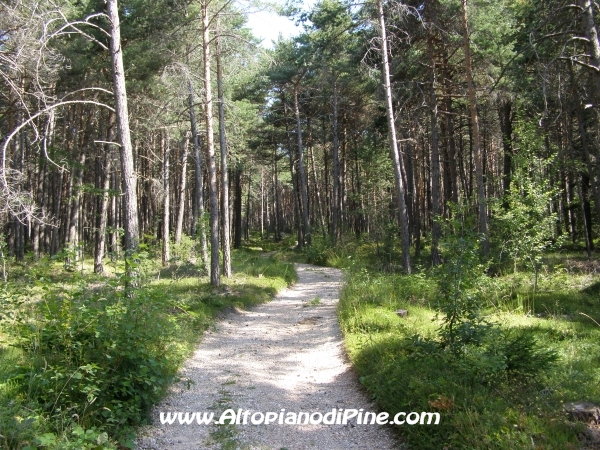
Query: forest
point(444, 153)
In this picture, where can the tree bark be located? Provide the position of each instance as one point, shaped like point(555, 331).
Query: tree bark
point(335, 204)
point(436, 200)
point(237, 209)
point(181, 206)
point(129, 176)
point(505, 117)
point(301, 171)
point(224, 182)
point(103, 216)
point(166, 235)
point(404, 232)
point(477, 152)
point(198, 228)
point(215, 275)
point(277, 212)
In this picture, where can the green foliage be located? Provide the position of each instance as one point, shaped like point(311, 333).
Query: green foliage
point(524, 355)
point(459, 281)
point(505, 388)
point(319, 251)
point(92, 360)
point(522, 226)
point(84, 367)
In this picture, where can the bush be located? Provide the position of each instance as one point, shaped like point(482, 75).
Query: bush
point(459, 280)
point(93, 363)
point(319, 252)
point(524, 356)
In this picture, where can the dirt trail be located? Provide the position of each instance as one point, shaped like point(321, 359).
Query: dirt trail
point(285, 354)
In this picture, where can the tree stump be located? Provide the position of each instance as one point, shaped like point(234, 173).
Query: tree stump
point(583, 411)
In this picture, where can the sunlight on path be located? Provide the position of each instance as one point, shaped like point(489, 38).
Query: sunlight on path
point(286, 354)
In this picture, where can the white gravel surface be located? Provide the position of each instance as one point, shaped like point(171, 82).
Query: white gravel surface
point(285, 354)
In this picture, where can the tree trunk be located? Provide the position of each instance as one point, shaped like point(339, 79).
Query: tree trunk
point(277, 212)
point(301, 171)
point(593, 42)
point(590, 161)
point(237, 209)
point(247, 227)
point(262, 204)
point(103, 216)
point(436, 200)
point(405, 238)
point(166, 238)
point(295, 184)
point(224, 182)
point(317, 189)
point(481, 200)
point(215, 276)
point(335, 204)
point(506, 128)
point(129, 176)
point(181, 206)
point(198, 228)
point(77, 182)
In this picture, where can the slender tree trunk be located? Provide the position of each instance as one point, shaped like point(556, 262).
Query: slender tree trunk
point(56, 213)
point(586, 210)
point(40, 179)
point(198, 228)
point(181, 206)
point(215, 275)
point(335, 205)
point(405, 237)
point(237, 209)
point(506, 128)
point(103, 216)
point(436, 199)
point(311, 156)
point(481, 199)
point(452, 154)
point(592, 171)
point(129, 176)
point(593, 41)
point(295, 185)
point(166, 235)
point(277, 212)
point(301, 171)
point(247, 227)
point(262, 204)
point(77, 182)
point(224, 182)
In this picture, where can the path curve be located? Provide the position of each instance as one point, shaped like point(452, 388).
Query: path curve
point(285, 354)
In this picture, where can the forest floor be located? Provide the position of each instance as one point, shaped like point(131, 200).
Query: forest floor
point(283, 355)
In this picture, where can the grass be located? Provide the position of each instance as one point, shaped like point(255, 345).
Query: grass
point(81, 363)
point(482, 406)
point(313, 302)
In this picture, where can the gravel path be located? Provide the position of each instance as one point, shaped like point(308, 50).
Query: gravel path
point(285, 354)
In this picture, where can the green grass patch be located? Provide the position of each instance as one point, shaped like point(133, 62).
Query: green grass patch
point(82, 362)
point(488, 398)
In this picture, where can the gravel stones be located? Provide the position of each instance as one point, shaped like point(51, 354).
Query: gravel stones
point(286, 354)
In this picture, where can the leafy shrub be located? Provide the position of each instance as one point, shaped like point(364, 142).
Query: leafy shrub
point(459, 280)
point(184, 251)
point(319, 251)
point(522, 226)
point(93, 360)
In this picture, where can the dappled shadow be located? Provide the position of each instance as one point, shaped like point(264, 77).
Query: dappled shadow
point(286, 354)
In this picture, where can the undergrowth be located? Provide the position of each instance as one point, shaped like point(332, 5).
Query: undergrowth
point(82, 361)
point(507, 389)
